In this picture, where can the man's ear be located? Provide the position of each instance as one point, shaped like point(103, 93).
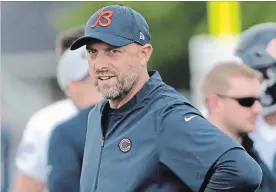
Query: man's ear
point(212, 102)
point(271, 48)
point(146, 52)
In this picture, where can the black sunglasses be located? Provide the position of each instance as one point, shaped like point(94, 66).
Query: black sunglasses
point(243, 101)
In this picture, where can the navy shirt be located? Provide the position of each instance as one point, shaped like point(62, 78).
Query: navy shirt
point(65, 153)
point(159, 142)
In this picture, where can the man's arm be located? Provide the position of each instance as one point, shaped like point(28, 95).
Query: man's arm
point(30, 161)
point(202, 156)
point(64, 160)
point(25, 183)
point(235, 174)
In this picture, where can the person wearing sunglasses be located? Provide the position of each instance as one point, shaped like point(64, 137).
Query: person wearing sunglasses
point(257, 48)
point(232, 93)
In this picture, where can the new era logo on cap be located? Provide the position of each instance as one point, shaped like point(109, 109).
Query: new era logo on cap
point(142, 36)
point(115, 25)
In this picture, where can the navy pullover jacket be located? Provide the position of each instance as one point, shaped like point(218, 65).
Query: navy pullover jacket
point(159, 142)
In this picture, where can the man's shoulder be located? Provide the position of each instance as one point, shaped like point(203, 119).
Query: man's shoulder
point(47, 118)
point(56, 107)
point(171, 101)
point(80, 116)
point(76, 122)
point(166, 92)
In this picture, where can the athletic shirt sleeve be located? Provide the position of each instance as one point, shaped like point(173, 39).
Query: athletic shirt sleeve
point(30, 158)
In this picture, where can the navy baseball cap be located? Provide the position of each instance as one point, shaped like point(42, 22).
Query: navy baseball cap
point(115, 25)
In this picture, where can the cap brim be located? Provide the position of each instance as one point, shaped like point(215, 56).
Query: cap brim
point(114, 40)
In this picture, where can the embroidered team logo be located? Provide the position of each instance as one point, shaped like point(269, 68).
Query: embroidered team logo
point(125, 145)
point(105, 15)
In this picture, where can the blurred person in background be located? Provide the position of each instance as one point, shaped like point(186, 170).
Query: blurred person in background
point(67, 141)
point(66, 38)
point(232, 94)
point(5, 155)
point(5, 150)
point(31, 159)
point(257, 48)
point(274, 165)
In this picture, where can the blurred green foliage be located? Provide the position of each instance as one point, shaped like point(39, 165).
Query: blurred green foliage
point(172, 24)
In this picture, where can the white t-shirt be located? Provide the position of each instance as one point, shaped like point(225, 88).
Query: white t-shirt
point(32, 153)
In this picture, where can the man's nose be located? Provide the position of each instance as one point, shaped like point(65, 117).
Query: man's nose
point(257, 107)
point(99, 61)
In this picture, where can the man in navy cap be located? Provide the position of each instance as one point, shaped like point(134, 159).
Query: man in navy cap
point(144, 136)
point(257, 48)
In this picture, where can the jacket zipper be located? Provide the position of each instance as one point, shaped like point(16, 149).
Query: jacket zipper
point(99, 164)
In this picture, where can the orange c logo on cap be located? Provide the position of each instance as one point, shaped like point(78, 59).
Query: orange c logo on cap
point(107, 16)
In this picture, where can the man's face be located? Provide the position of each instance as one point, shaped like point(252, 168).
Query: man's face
point(235, 116)
point(81, 92)
point(114, 70)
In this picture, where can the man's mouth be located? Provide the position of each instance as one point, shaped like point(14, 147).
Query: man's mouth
point(105, 77)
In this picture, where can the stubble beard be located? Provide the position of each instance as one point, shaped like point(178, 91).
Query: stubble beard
point(123, 87)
